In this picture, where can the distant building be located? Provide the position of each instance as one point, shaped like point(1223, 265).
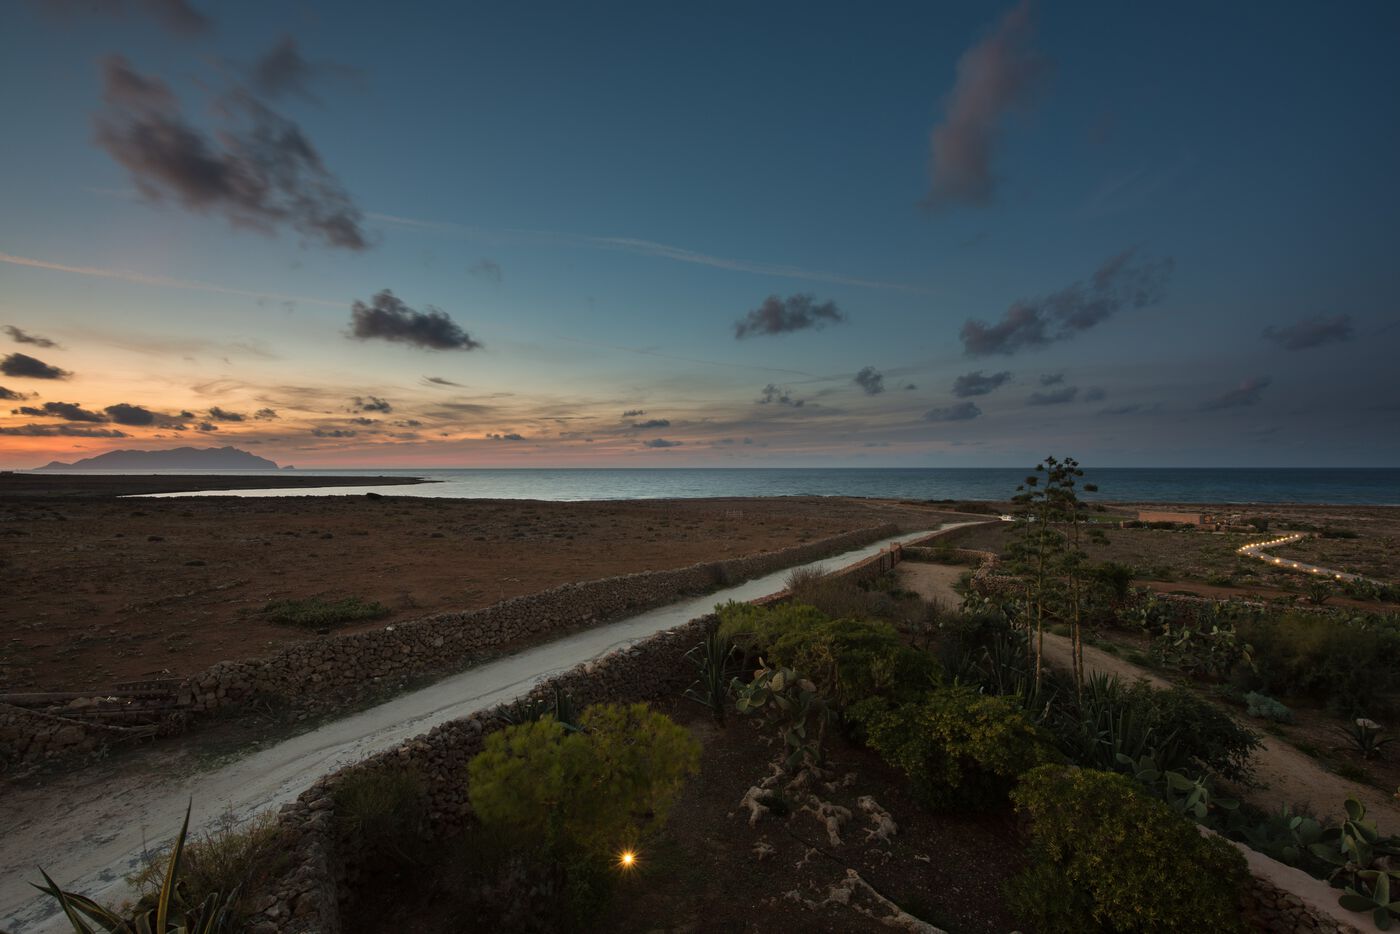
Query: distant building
point(1184, 518)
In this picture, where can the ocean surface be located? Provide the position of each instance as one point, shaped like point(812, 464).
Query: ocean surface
point(1358, 486)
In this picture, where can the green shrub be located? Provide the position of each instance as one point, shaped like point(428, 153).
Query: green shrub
point(1265, 707)
point(383, 814)
point(1348, 664)
point(590, 792)
point(1208, 735)
point(1179, 729)
point(852, 660)
point(960, 749)
point(1105, 857)
point(317, 612)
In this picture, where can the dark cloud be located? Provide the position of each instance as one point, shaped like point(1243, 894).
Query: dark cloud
point(258, 170)
point(178, 16)
point(26, 367)
point(388, 318)
point(1051, 379)
point(265, 415)
point(1053, 396)
point(653, 423)
point(364, 421)
point(1120, 283)
point(283, 70)
point(910, 387)
point(1094, 394)
point(978, 383)
point(771, 393)
point(126, 414)
point(21, 337)
point(9, 395)
point(217, 414)
point(68, 411)
point(409, 423)
point(206, 427)
point(62, 431)
point(633, 413)
point(1248, 392)
point(779, 316)
point(1132, 409)
point(959, 412)
point(994, 76)
point(662, 443)
point(371, 404)
point(506, 436)
point(871, 380)
point(333, 432)
point(439, 381)
point(1313, 331)
point(488, 269)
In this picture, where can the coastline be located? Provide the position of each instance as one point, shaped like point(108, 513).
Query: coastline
point(80, 485)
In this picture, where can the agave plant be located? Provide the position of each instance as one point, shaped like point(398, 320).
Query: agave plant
point(172, 912)
point(559, 705)
point(714, 667)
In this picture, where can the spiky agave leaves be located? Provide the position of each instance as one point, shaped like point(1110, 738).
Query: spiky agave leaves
point(169, 915)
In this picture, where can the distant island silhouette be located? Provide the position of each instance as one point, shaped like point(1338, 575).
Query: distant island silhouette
point(186, 458)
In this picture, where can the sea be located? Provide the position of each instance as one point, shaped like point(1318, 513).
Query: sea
point(1342, 486)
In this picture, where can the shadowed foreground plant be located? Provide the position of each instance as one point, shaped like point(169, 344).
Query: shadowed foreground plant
point(1105, 857)
point(714, 666)
point(171, 913)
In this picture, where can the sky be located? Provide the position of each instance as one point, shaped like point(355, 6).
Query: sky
point(358, 234)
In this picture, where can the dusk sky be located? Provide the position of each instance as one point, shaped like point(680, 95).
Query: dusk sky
point(952, 234)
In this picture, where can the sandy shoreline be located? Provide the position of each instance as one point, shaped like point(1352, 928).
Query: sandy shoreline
point(32, 485)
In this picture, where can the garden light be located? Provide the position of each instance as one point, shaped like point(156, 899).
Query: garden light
point(627, 859)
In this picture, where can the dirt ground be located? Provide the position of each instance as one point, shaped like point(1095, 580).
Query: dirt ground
point(99, 591)
point(1166, 556)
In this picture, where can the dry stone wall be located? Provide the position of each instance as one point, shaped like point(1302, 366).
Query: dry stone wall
point(29, 737)
point(333, 669)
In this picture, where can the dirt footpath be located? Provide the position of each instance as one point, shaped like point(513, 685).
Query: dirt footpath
point(1285, 775)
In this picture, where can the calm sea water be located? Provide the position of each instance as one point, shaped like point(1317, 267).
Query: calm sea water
point(1361, 486)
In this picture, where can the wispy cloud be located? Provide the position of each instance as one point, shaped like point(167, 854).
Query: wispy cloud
point(641, 247)
point(994, 76)
point(258, 170)
point(958, 412)
point(1313, 331)
point(20, 336)
point(1248, 392)
point(165, 282)
point(1121, 282)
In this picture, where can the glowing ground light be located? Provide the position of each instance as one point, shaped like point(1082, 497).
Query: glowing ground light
point(627, 859)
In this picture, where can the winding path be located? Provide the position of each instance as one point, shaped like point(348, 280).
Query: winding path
point(89, 829)
point(1256, 550)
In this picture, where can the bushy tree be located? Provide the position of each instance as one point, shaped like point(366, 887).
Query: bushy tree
point(593, 791)
point(1105, 857)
